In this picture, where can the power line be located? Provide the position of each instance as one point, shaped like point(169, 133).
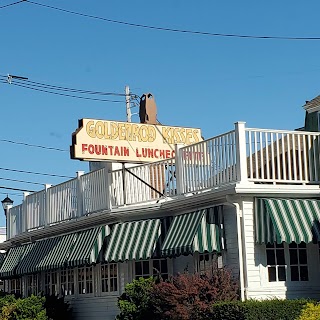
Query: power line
point(37, 173)
point(16, 189)
point(12, 194)
point(22, 181)
point(32, 145)
point(185, 31)
point(11, 4)
point(60, 94)
point(62, 88)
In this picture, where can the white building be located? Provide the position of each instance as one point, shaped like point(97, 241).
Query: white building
point(248, 197)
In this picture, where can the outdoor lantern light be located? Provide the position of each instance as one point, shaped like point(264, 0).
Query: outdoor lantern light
point(6, 204)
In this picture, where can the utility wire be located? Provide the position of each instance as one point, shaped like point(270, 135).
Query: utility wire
point(12, 194)
point(61, 88)
point(22, 181)
point(185, 31)
point(11, 4)
point(62, 94)
point(16, 189)
point(36, 173)
point(33, 145)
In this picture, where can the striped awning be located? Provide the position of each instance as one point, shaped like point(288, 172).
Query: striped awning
point(133, 240)
point(2, 257)
point(287, 220)
point(193, 232)
point(11, 261)
point(87, 246)
point(58, 250)
point(73, 249)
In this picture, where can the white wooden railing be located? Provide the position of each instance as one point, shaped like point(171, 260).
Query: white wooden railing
point(209, 163)
point(143, 183)
point(243, 155)
point(280, 156)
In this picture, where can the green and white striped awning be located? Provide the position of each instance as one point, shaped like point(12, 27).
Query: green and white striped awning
point(133, 240)
point(287, 220)
point(13, 257)
point(58, 250)
point(87, 246)
point(193, 232)
point(73, 249)
point(2, 257)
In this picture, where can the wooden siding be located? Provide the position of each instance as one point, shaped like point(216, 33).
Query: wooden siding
point(94, 308)
point(231, 254)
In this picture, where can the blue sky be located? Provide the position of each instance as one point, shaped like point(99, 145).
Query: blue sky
point(198, 81)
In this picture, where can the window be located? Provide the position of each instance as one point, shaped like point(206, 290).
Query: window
point(67, 282)
point(160, 268)
point(148, 268)
point(204, 262)
point(33, 284)
point(298, 261)
point(276, 265)
point(51, 283)
point(85, 280)
point(15, 286)
point(109, 277)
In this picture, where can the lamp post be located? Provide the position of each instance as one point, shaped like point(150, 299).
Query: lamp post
point(7, 204)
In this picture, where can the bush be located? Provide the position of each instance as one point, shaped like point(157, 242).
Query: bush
point(311, 311)
point(229, 310)
point(190, 296)
point(259, 310)
point(135, 302)
point(31, 308)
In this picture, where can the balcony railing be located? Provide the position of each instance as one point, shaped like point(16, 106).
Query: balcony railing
point(240, 156)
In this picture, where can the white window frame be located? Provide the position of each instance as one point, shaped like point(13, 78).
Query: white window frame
point(287, 266)
point(51, 282)
point(299, 265)
point(150, 272)
point(203, 262)
point(35, 277)
point(13, 289)
point(70, 281)
point(85, 281)
point(108, 279)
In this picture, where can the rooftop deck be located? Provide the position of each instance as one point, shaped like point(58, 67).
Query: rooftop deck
point(240, 156)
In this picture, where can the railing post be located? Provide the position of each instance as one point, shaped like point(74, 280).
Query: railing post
point(241, 149)
point(178, 168)
point(24, 213)
point(108, 177)
point(80, 205)
point(46, 205)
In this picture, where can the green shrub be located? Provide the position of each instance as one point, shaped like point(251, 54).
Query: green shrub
point(233, 310)
point(274, 309)
point(259, 310)
point(31, 308)
point(311, 311)
point(135, 302)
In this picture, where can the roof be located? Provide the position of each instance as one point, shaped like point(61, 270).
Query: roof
point(312, 104)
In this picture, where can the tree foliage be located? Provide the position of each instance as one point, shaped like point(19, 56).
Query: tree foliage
point(190, 296)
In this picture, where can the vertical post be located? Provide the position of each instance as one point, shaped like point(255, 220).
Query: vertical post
point(24, 212)
point(128, 107)
point(124, 184)
point(242, 171)
point(46, 205)
point(179, 169)
point(80, 198)
point(109, 191)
